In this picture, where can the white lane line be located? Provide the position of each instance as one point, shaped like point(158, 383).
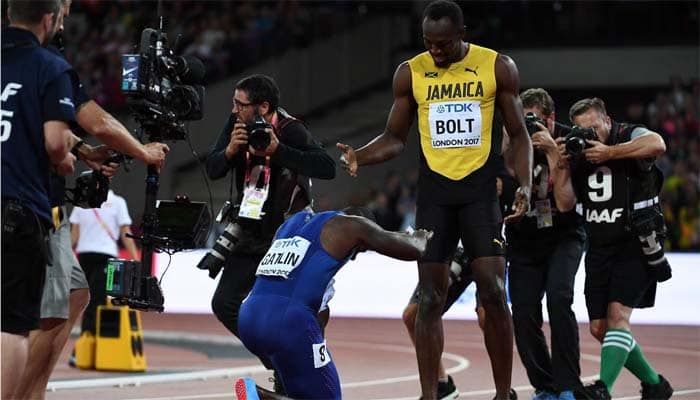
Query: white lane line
point(123, 381)
point(462, 363)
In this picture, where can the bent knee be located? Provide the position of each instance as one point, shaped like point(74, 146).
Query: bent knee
point(598, 331)
point(409, 315)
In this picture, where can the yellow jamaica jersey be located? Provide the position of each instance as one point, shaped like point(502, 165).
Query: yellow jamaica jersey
point(455, 110)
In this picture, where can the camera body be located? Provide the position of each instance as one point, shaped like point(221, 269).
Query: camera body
point(575, 141)
point(215, 258)
point(258, 137)
point(648, 225)
point(163, 90)
point(91, 189)
point(127, 284)
point(530, 123)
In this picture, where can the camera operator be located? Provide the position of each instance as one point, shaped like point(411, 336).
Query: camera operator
point(271, 181)
point(615, 179)
point(35, 135)
point(544, 251)
point(65, 294)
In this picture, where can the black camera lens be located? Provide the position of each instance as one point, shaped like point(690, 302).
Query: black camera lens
point(259, 139)
point(531, 121)
point(575, 145)
point(257, 134)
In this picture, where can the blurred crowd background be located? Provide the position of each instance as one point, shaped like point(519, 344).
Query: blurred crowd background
point(234, 36)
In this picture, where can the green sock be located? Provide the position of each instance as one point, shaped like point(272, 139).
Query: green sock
point(616, 347)
point(639, 366)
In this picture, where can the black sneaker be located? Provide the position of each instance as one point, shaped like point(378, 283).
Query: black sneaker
point(512, 395)
point(594, 391)
point(660, 391)
point(447, 390)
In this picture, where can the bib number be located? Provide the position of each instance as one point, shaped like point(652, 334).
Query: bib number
point(321, 355)
point(455, 124)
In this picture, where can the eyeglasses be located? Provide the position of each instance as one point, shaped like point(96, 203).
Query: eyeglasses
point(240, 104)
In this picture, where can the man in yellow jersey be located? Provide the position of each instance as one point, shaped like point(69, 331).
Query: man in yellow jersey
point(454, 88)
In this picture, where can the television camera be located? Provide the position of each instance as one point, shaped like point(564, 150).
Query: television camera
point(164, 91)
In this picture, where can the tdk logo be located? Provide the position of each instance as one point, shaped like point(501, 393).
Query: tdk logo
point(286, 243)
point(454, 108)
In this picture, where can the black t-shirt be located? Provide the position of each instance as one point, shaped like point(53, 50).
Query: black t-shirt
point(38, 85)
point(608, 190)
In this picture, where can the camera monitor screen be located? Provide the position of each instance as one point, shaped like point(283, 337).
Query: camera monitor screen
point(130, 72)
point(187, 223)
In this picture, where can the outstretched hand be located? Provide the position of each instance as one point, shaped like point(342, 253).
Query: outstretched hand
point(521, 205)
point(347, 159)
point(423, 237)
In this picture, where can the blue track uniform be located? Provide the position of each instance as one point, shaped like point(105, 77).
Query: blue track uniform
point(278, 320)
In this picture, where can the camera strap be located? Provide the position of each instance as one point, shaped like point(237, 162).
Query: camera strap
point(254, 197)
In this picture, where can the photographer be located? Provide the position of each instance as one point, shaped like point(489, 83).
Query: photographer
point(271, 181)
point(544, 251)
point(609, 168)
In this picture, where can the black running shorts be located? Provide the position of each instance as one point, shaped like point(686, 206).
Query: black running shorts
point(24, 258)
point(478, 224)
point(617, 273)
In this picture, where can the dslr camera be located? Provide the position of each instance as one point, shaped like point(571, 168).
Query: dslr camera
point(215, 258)
point(91, 188)
point(257, 135)
point(531, 121)
point(648, 225)
point(575, 141)
point(163, 90)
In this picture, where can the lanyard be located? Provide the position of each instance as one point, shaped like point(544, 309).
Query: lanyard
point(266, 169)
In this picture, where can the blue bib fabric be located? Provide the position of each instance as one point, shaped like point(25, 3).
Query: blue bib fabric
point(307, 282)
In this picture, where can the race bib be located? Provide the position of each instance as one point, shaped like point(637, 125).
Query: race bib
point(455, 124)
point(252, 203)
point(321, 355)
point(284, 255)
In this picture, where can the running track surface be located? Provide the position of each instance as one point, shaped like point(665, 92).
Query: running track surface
point(375, 360)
